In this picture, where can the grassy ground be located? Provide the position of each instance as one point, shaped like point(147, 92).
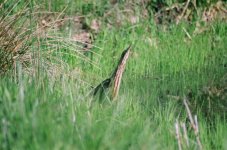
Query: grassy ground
point(52, 112)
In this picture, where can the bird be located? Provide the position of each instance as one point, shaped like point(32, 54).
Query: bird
point(114, 81)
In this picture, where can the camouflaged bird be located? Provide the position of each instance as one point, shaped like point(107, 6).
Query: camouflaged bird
point(114, 80)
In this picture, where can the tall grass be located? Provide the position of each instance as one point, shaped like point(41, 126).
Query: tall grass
point(15, 35)
point(51, 110)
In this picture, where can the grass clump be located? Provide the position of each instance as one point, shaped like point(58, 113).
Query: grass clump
point(15, 36)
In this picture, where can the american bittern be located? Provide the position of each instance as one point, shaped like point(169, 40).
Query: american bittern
point(114, 81)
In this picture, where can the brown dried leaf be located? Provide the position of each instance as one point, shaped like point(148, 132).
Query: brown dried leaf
point(95, 25)
point(84, 38)
point(216, 11)
point(134, 19)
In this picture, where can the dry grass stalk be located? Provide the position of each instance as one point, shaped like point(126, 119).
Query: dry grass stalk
point(183, 12)
point(194, 124)
point(185, 133)
point(181, 141)
point(178, 135)
point(186, 32)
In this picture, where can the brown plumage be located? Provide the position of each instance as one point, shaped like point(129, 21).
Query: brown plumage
point(115, 79)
